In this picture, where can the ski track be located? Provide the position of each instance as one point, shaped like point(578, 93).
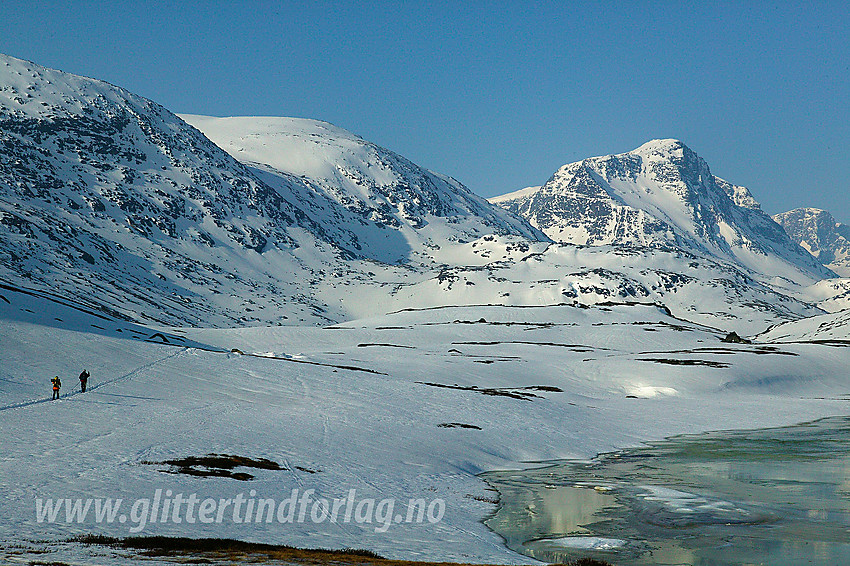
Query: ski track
point(291, 470)
point(75, 391)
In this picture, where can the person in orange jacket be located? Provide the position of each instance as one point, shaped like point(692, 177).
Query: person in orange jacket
point(57, 384)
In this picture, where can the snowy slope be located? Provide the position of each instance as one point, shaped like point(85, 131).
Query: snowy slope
point(831, 295)
point(818, 232)
point(829, 327)
point(662, 194)
point(713, 293)
point(371, 199)
point(358, 406)
point(109, 199)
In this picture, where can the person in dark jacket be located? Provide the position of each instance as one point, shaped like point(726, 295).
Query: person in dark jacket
point(84, 379)
point(57, 384)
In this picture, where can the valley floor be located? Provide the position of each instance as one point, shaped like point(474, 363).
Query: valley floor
point(410, 405)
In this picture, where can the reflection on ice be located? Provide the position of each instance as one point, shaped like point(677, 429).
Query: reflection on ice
point(774, 496)
point(587, 543)
point(673, 508)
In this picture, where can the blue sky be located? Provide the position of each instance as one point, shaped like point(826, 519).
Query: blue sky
point(495, 94)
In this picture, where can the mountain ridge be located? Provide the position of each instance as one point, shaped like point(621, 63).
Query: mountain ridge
point(364, 188)
point(821, 235)
point(662, 193)
point(114, 204)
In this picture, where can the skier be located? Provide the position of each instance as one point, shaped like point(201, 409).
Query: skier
point(57, 383)
point(84, 379)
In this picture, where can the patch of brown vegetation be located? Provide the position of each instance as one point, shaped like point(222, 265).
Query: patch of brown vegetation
point(228, 550)
point(523, 393)
point(459, 425)
point(217, 465)
point(672, 362)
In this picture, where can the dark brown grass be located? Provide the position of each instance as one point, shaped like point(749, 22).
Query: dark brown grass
point(236, 550)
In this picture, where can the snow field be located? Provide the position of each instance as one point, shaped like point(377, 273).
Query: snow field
point(363, 412)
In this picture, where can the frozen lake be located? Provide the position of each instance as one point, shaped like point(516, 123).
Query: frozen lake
point(772, 496)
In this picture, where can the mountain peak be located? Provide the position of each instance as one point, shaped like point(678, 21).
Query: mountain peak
point(807, 210)
point(28, 89)
point(821, 235)
point(363, 186)
point(105, 190)
point(668, 145)
point(662, 194)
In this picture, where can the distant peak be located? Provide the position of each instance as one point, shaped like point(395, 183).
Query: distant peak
point(660, 146)
point(804, 210)
point(528, 191)
point(270, 125)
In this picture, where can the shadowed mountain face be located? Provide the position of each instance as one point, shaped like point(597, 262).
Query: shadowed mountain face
point(818, 232)
point(661, 194)
point(368, 198)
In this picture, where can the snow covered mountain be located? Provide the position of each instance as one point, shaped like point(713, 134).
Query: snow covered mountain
point(818, 232)
point(368, 198)
point(353, 181)
point(109, 200)
point(110, 203)
point(659, 195)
